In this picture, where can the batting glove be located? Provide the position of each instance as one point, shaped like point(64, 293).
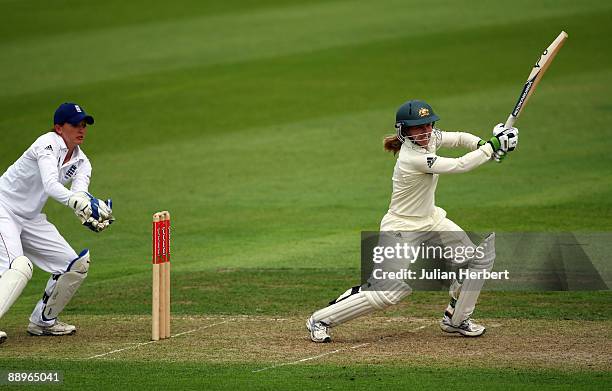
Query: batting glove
point(507, 137)
point(499, 156)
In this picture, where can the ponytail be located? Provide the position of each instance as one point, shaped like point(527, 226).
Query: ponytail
point(392, 144)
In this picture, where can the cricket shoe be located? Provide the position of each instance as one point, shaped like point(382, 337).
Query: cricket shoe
point(318, 331)
point(3, 336)
point(59, 328)
point(466, 328)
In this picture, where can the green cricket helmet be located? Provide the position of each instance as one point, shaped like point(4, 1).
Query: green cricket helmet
point(413, 113)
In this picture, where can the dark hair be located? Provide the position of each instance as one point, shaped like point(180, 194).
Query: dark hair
point(392, 144)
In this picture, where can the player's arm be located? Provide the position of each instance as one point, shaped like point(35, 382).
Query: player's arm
point(88, 209)
point(49, 173)
point(81, 180)
point(433, 164)
point(459, 140)
point(503, 140)
point(47, 164)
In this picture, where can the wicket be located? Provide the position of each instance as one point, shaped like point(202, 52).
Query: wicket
point(161, 276)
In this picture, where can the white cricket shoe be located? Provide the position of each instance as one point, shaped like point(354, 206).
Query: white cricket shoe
point(59, 328)
point(3, 336)
point(466, 328)
point(318, 331)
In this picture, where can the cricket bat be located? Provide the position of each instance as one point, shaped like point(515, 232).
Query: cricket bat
point(535, 76)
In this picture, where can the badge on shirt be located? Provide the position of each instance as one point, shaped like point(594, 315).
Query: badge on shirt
point(70, 172)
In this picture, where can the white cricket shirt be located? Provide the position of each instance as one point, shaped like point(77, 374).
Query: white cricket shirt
point(416, 172)
point(41, 172)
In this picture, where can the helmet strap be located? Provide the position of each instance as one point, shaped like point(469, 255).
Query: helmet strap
point(400, 134)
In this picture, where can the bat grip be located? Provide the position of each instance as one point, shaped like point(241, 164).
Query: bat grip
point(510, 121)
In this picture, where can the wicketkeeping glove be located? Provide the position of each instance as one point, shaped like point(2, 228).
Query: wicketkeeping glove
point(95, 214)
point(104, 219)
point(80, 203)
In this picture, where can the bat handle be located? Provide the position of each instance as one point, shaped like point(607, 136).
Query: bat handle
point(510, 121)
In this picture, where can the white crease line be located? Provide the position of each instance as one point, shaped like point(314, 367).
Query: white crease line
point(310, 358)
point(187, 332)
point(417, 329)
point(120, 350)
point(150, 342)
point(325, 354)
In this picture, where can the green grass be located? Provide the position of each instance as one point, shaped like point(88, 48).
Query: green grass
point(258, 124)
point(297, 292)
point(359, 377)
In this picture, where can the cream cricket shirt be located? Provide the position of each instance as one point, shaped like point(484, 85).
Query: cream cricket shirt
point(40, 173)
point(416, 172)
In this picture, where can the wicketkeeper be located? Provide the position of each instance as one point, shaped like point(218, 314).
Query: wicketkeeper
point(413, 217)
point(26, 237)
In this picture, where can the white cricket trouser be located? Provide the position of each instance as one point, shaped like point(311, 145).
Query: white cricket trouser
point(38, 240)
point(446, 231)
point(451, 236)
point(379, 295)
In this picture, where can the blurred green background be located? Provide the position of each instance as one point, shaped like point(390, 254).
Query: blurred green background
point(258, 125)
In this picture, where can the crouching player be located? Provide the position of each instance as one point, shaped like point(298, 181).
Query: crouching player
point(26, 237)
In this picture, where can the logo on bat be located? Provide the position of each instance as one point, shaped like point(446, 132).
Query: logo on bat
point(537, 64)
point(523, 96)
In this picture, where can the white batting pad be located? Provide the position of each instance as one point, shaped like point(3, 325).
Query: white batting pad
point(362, 302)
point(470, 289)
point(13, 281)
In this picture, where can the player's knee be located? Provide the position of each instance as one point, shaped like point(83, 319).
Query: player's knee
point(349, 292)
point(80, 264)
point(66, 286)
point(486, 257)
point(386, 293)
point(22, 265)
